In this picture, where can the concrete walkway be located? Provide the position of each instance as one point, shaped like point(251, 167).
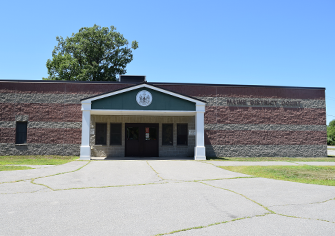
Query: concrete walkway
point(269, 163)
point(127, 197)
point(331, 150)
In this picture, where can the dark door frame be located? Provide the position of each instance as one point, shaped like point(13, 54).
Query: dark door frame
point(142, 143)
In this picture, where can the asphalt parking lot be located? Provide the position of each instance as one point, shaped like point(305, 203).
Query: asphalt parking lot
point(157, 197)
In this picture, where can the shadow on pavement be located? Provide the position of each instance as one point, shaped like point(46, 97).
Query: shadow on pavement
point(142, 158)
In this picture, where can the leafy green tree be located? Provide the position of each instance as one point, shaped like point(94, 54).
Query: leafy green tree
point(93, 54)
point(331, 133)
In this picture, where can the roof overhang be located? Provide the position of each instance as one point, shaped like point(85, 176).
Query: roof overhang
point(143, 85)
point(86, 103)
point(142, 113)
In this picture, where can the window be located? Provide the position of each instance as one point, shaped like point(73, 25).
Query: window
point(150, 133)
point(21, 132)
point(167, 134)
point(182, 134)
point(100, 133)
point(115, 134)
point(132, 133)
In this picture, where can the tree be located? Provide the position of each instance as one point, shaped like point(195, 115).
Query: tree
point(92, 54)
point(331, 133)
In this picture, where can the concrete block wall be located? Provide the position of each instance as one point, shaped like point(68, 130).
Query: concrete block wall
point(52, 111)
point(245, 121)
point(239, 120)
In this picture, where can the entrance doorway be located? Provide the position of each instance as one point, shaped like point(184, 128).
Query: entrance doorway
point(141, 140)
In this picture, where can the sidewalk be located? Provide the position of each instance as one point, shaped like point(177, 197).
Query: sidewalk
point(332, 151)
point(269, 163)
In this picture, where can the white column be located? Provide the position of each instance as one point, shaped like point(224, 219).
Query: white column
point(85, 148)
point(199, 149)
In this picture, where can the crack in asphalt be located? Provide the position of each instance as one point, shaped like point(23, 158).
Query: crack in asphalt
point(270, 212)
point(247, 217)
point(61, 173)
point(165, 181)
point(209, 225)
point(298, 217)
point(46, 186)
point(297, 204)
point(154, 171)
point(229, 190)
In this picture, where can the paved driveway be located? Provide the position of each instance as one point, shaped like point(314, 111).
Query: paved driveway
point(127, 197)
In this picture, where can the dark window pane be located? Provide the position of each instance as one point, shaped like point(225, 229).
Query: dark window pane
point(182, 134)
point(167, 134)
point(150, 133)
point(21, 132)
point(101, 134)
point(115, 134)
point(132, 133)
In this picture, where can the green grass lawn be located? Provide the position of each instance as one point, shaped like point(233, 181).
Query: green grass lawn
point(7, 161)
point(289, 159)
point(322, 175)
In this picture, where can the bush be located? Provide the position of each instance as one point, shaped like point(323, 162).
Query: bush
point(330, 141)
point(331, 133)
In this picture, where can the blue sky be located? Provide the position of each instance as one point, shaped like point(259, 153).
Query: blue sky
point(258, 42)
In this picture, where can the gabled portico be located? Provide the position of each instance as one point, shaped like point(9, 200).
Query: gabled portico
point(143, 100)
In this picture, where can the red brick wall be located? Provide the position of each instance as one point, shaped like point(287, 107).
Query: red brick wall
point(257, 137)
point(7, 135)
point(190, 90)
point(259, 115)
point(245, 92)
point(47, 135)
point(265, 115)
point(59, 88)
point(7, 112)
point(58, 112)
point(48, 112)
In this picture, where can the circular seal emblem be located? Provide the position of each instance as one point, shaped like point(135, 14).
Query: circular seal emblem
point(144, 98)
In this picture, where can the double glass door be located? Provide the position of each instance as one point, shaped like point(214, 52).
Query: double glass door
point(141, 140)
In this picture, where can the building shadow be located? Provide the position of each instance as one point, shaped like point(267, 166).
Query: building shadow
point(142, 158)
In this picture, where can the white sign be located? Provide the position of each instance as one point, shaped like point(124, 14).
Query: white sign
point(191, 132)
point(92, 131)
point(144, 98)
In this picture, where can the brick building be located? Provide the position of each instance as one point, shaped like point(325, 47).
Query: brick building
point(129, 118)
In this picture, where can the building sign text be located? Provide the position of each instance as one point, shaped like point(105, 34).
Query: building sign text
point(258, 102)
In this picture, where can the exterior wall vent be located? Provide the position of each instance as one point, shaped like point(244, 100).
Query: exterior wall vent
point(137, 79)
